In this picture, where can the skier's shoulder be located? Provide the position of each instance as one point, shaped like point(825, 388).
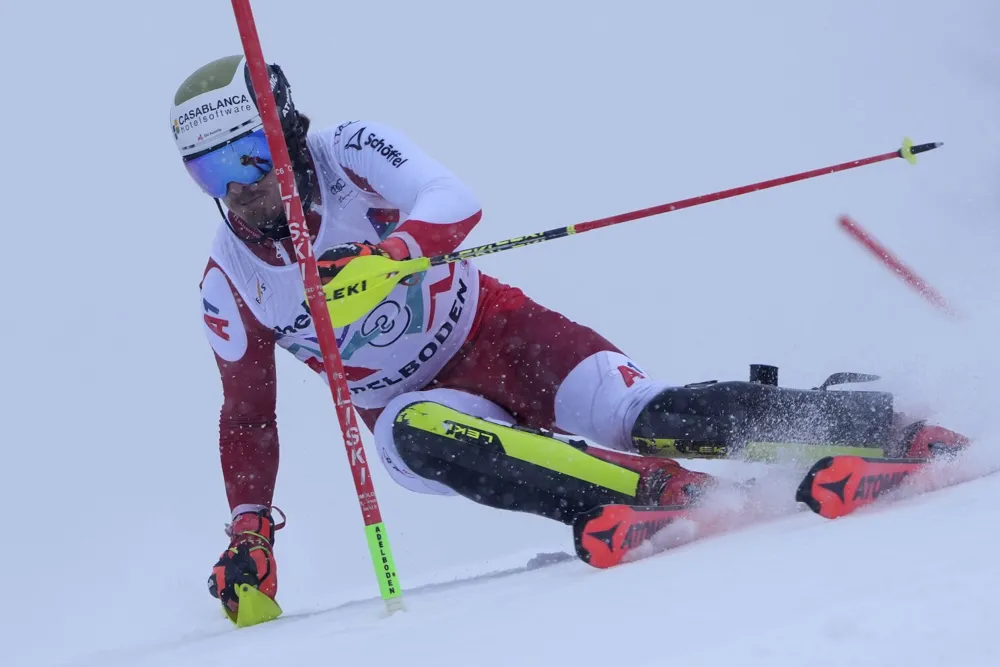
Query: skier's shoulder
point(227, 315)
point(357, 134)
point(358, 137)
point(229, 263)
point(221, 316)
point(227, 252)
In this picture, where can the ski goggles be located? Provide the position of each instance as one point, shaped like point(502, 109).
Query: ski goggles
point(245, 160)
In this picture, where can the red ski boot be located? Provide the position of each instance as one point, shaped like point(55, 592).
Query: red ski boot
point(921, 440)
point(667, 495)
point(661, 481)
point(245, 578)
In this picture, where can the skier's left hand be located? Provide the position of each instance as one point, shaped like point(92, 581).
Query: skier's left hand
point(336, 258)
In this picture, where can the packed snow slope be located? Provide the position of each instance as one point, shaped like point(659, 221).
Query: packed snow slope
point(793, 592)
point(554, 113)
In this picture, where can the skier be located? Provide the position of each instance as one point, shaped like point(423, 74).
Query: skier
point(446, 351)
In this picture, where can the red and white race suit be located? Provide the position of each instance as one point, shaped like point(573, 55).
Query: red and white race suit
point(453, 328)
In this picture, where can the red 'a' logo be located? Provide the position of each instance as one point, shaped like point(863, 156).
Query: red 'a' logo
point(630, 374)
point(216, 324)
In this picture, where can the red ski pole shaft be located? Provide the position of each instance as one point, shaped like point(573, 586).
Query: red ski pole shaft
point(908, 151)
point(378, 542)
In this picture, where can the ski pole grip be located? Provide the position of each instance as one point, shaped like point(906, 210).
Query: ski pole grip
point(923, 148)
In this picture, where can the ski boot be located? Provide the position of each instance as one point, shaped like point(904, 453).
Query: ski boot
point(668, 497)
point(245, 578)
point(760, 421)
point(920, 440)
point(661, 481)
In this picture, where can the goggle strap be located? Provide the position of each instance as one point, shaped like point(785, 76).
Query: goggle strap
point(225, 218)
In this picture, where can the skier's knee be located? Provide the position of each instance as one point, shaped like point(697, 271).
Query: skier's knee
point(429, 445)
point(396, 463)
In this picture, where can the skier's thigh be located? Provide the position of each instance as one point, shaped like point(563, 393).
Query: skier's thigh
point(470, 404)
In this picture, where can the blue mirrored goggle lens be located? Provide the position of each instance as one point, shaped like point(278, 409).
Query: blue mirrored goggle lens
point(245, 161)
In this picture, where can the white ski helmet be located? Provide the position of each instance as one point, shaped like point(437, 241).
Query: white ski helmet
point(213, 106)
point(216, 106)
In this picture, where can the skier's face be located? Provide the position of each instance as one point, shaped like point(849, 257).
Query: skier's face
point(257, 203)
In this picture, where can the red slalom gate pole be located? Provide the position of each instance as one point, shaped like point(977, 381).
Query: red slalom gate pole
point(893, 263)
point(378, 541)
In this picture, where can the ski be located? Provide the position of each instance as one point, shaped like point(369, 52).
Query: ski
point(621, 533)
point(611, 534)
point(605, 535)
point(835, 486)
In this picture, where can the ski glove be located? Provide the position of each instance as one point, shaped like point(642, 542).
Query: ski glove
point(249, 558)
point(336, 258)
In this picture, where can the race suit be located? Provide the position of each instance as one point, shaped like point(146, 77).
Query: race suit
point(473, 342)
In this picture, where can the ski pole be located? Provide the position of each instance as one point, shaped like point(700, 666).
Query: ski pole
point(378, 541)
point(907, 152)
point(895, 265)
point(365, 281)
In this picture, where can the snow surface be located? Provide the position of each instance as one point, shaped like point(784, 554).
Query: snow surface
point(554, 113)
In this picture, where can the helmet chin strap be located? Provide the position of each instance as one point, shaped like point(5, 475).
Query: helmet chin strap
point(276, 230)
point(302, 165)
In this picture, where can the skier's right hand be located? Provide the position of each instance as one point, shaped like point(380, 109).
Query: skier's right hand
point(331, 262)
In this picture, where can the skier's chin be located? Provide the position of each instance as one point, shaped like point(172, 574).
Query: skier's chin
point(258, 215)
point(257, 204)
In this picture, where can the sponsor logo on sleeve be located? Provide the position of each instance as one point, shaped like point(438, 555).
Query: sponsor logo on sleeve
point(377, 144)
point(340, 130)
point(221, 317)
point(215, 324)
point(354, 142)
